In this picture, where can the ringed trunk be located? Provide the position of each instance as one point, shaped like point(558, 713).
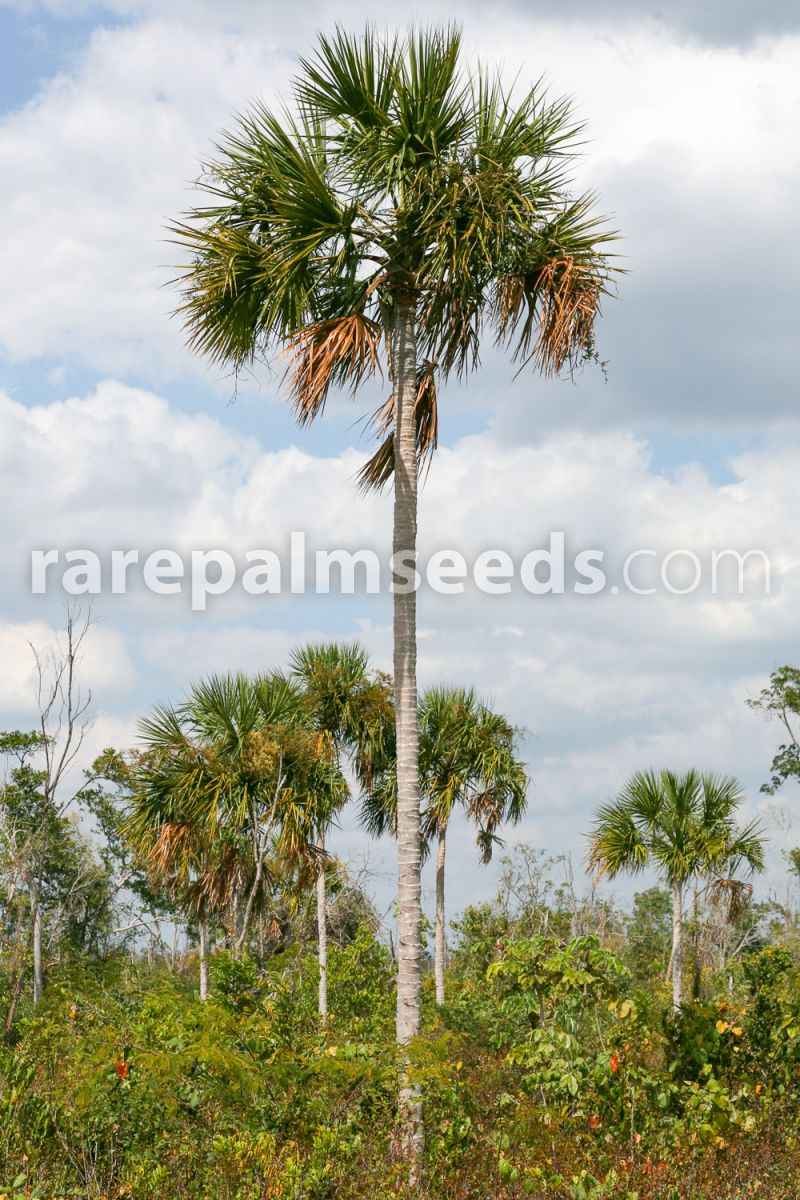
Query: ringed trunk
point(322, 935)
point(441, 949)
point(404, 546)
point(677, 949)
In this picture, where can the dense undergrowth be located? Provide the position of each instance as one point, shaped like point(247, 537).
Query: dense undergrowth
point(552, 1072)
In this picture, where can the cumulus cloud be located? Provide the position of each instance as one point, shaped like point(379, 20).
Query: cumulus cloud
point(103, 663)
point(602, 683)
point(692, 149)
point(724, 22)
point(691, 116)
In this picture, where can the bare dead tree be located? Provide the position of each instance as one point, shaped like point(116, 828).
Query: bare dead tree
point(62, 708)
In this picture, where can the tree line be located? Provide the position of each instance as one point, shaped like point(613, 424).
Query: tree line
point(218, 820)
point(220, 816)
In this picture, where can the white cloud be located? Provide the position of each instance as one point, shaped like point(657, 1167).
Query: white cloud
point(695, 149)
point(603, 683)
point(692, 146)
point(103, 665)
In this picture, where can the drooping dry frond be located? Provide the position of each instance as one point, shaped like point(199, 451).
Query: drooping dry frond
point(734, 895)
point(570, 296)
point(379, 468)
point(171, 846)
point(341, 350)
point(426, 412)
point(516, 311)
point(216, 880)
point(552, 313)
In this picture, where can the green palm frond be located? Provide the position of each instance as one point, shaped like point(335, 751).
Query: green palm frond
point(681, 824)
point(394, 175)
point(239, 757)
point(468, 759)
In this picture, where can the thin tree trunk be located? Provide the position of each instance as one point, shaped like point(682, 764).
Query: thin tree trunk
point(244, 925)
point(668, 975)
point(322, 935)
point(409, 923)
point(203, 930)
point(696, 973)
point(440, 923)
point(236, 944)
point(677, 948)
point(259, 851)
point(37, 951)
point(17, 972)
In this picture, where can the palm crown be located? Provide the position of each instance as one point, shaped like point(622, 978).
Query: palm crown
point(234, 773)
point(468, 758)
point(394, 179)
point(683, 825)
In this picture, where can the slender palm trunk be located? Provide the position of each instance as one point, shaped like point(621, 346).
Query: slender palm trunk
point(677, 948)
point(203, 930)
point(696, 972)
point(440, 922)
point(36, 904)
point(322, 934)
point(404, 379)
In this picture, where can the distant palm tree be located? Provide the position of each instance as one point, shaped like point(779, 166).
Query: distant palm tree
point(405, 206)
point(350, 705)
point(468, 759)
point(683, 826)
point(234, 775)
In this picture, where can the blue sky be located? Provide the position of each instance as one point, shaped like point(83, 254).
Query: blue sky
point(112, 434)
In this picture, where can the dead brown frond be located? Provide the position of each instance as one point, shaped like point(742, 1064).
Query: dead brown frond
point(734, 894)
point(426, 412)
point(342, 350)
point(216, 879)
point(170, 847)
point(515, 296)
point(570, 297)
point(559, 304)
point(379, 468)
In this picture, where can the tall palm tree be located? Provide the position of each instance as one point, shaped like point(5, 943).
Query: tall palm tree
point(233, 775)
point(468, 759)
point(349, 704)
point(683, 826)
point(399, 208)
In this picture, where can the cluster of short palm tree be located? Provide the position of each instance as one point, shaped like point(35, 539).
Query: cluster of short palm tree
point(239, 785)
